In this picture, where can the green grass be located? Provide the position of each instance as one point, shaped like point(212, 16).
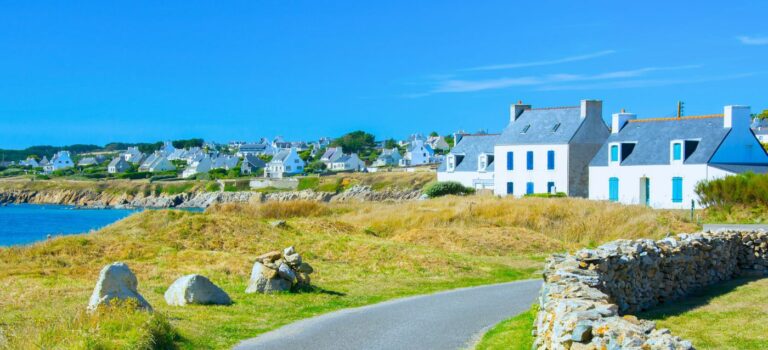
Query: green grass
point(362, 253)
point(512, 334)
point(730, 315)
point(308, 183)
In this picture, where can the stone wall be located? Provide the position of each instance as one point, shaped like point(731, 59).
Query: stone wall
point(587, 297)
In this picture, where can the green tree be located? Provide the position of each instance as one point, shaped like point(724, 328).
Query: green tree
point(390, 144)
point(355, 142)
point(762, 115)
point(189, 143)
point(449, 140)
point(434, 133)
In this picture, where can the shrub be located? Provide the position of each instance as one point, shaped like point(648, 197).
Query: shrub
point(284, 210)
point(439, 189)
point(134, 176)
point(746, 189)
point(547, 195)
point(212, 187)
point(308, 183)
point(177, 189)
point(236, 186)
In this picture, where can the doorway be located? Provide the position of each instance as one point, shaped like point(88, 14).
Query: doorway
point(645, 191)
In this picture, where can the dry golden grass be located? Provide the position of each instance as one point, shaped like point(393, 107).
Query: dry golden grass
point(362, 252)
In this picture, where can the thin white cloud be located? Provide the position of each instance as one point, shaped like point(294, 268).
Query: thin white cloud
point(542, 63)
point(753, 40)
point(456, 85)
point(642, 83)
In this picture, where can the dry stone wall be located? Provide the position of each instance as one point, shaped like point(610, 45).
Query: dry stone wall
point(587, 298)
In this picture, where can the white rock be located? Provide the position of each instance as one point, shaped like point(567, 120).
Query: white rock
point(289, 251)
point(287, 273)
point(116, 281)
point(195, 289)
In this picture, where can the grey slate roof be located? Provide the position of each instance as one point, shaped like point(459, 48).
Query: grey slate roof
point(653, 140)
point(280, 156)
point(540, 124)
point(471, 146)
point(739, 168)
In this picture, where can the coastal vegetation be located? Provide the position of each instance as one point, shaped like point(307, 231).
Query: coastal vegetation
point(362, 253)
point(741, 198)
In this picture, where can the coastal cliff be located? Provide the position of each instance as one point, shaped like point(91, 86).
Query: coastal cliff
point(194, 199)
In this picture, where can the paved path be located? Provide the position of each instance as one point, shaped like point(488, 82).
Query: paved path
point(744, 227)
point(448, 320)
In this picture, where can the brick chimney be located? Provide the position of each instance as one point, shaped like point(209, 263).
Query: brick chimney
point(737, 117)
point(516, 110)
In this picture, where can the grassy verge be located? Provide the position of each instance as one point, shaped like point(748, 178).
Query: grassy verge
point(512, 334)
point(363, 253)
point(731, 315)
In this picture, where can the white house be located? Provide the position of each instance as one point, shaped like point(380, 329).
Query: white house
point(133, 155)
point(60, 160)
point(347, 162)
point(30, 162)
point(263, 147)
point(546, 150)
point(118, 165)
point(225, 162)
point(417, 153)
point(760, 129)
point(438, 143)
point(200, 166)
point(87, 161)
point(658, 162)
point(285, 162)
point(388, 157)
point(251, 164)
point(156, 162)
point(470, 162)
point(330, 155)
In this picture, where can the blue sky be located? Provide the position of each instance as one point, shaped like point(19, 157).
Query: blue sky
point(95, 72)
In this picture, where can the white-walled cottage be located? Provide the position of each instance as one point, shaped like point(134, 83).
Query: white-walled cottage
point(118, 165)
point(60, 160)
point(658, 162)
point(200, 166)
point(388, 157)
point(546, 150)
point(347, 162)
point(417, 153)
point(285, 162)
point(471, 162)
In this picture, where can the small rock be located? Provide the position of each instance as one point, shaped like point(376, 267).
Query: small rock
point(287, 273)
point(294, 260)
point(269, 257)
point(116, 281)
point(195, 289)
point(289, 251)
point(278, 224)
point(582, 333)
point(305, 268)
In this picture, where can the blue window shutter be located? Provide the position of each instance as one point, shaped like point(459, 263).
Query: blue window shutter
point(529, 188)
point(550, 185)
point(613, 189)
point(510, 161)
point(677, 190)
point(551, 160)
point(677, 151)
point(615, 153)
point(530, 160)
point(510, 187)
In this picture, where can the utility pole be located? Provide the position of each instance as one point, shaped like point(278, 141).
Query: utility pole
point(680, 106)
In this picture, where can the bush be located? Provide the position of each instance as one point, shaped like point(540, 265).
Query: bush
point(746, 189)
point(547, 195)
point(439, 189)
point(134, 176)
point(237, 186)
point(212, 187)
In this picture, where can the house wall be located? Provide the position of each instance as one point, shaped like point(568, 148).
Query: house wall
point(579, 157)
point(474, 179)
point(520, 175)
point(660, 177)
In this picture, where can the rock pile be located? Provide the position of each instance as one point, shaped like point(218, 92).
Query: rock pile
point(116, 281)
point(585, 295)
point(275, 271)
point(195, 289)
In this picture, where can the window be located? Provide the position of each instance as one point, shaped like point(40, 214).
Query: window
point(510, 161)
point(529, 188)
point(677, 190)
point(530, 160)
point(550, 160)
point(510, 187)
point(677, 151)
point(615, 153)
point(613, 189)
point(451, 164)
point(525, 129)
point(481, 163)
point(550, 186)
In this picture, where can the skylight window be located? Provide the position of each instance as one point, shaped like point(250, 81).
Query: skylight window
point(557, 126)
point(525, 129)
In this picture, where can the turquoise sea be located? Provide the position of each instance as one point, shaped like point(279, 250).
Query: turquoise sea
point(27, 223)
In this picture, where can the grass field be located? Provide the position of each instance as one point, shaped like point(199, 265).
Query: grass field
point(362, 253)
point(512, 334)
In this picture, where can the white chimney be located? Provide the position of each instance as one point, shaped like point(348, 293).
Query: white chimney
point(736, 117)
point(516, 110)
point(591, 108)
point(618, 120)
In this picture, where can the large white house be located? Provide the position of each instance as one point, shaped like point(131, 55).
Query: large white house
point(60, 160)
point(658, 162)
point(285, 162)
point(347, 162)
point(417, 152)
point(388, 157)
point(471, 162)
point(545, 150)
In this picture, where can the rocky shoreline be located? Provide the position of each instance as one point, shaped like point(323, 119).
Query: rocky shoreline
point(93, 199)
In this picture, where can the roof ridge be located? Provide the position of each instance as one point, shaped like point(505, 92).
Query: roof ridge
point(557, 107)
point(692, 117)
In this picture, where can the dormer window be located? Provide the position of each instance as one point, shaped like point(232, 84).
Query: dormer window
point(482, 162)
point(614, 154)
point(450, 163)
point(677, 151)
point(525, 129)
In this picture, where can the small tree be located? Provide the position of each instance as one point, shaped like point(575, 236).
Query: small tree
point(439, 189)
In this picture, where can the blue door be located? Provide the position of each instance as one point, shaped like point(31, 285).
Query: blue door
point(647, 191)
point(510, 187)
point(613, 189)
point(550, 186)
point(677, 190)
point(529, 188)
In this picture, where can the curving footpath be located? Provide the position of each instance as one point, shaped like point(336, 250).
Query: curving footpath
point(454, 319)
